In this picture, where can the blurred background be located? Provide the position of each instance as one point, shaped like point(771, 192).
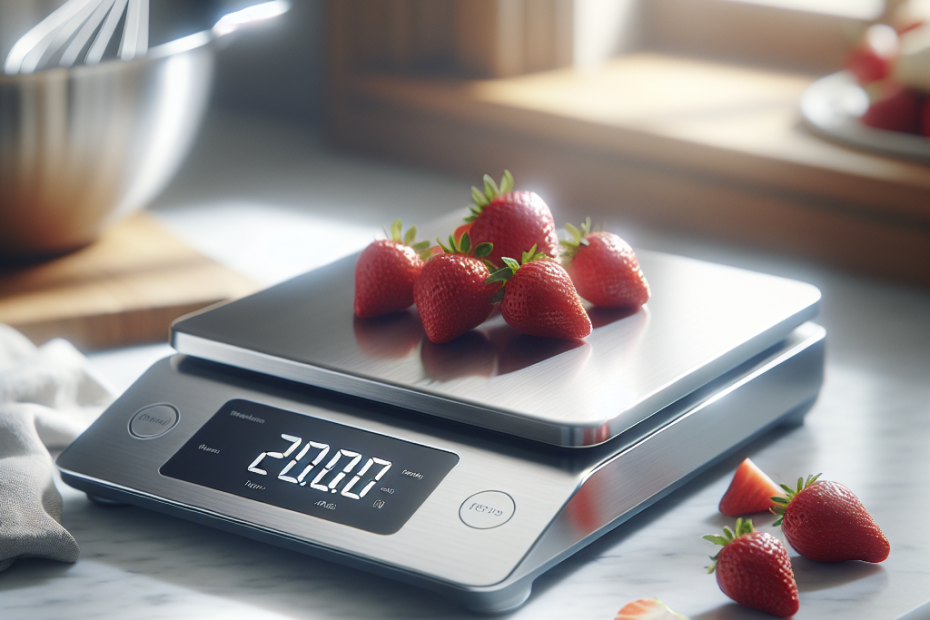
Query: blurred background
point(675, 123)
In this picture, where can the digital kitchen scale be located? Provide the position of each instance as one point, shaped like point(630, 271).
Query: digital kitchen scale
point(468, 468)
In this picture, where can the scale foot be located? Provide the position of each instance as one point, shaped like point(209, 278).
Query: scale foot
point(102, 501)
point(795, 417)
point(500, 602)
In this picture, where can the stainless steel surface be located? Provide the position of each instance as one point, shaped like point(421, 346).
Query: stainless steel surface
point(702, 320)
point(82, 147)
point(564, 498)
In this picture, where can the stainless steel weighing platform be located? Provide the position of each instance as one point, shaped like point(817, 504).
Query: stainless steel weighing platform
point(468, 468)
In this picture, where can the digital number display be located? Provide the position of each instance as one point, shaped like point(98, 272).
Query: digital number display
point(314, 466)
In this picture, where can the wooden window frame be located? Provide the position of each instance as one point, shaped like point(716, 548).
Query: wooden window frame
point(640, 137)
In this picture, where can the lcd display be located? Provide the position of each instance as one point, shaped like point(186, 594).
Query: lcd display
point(309, 465)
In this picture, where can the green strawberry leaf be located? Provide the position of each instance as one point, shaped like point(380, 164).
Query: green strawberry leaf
point(465, 243)
point(501, 275)
point(717, 539)
point(445, 248)
point(528, 255)
point(480, 199)
point(484, 249)
point(396, 230)
point(410, 236)
point(511, 263)
point(506, 182)
point(490, 188)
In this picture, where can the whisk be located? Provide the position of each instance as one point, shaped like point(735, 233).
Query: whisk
point(62, 37)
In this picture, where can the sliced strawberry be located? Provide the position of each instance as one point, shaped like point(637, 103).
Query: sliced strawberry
point(750, 491)
point(648, 609)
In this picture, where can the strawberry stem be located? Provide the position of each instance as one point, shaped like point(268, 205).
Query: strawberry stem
point(789, 495)
point(743, 527)
point(422, 248)
point(491, 191)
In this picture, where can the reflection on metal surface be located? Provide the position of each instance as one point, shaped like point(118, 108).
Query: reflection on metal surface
point(560, 499)
point(702, 321)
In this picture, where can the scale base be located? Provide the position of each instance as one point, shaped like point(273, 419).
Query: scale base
point(590, 491)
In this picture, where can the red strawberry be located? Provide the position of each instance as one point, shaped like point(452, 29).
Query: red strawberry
point(385, 273)
point(872, 59)
point(540, 300)
point(604, 268)
point(648, 609)
point(451, 294)
point(893, 108)
point(512, 221)
point(753, 569)
point(925, 119)
point(750, 491)
point(826, 522)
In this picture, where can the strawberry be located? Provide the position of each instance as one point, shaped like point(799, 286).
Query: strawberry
point(451, 294)
point(750, 491)
point(925, 119)
point(604, 268)
point(539, 298)
point(872, 59)
point(753, 569)
point(512, 221)
point(385, 273)
point(893, 108)
point(648, 609)
point(826, 522)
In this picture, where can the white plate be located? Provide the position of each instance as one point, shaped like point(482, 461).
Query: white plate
point(831, 107)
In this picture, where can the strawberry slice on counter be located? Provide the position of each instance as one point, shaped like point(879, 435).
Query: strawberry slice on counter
point(826, 522)
point(648, 609)
point(753, 569)
point(512, 221)
point(385, 273)
point(451, 294)
point(539, 298)
point(749, 492)
point(604, 268)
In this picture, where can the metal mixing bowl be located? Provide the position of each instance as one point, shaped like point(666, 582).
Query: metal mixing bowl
point(81, 148)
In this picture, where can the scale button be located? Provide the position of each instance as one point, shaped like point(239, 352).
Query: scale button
point(153, 421)
point(487, 509)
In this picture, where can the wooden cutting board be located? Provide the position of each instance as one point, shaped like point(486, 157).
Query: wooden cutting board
point(124, 289)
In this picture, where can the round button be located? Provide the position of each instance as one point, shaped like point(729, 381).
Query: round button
point(153, 421)
point(487, 509)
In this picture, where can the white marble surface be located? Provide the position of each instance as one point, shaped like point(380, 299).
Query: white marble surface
point(267, 200)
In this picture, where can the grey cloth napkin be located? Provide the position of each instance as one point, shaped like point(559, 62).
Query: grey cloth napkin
point(48, 396)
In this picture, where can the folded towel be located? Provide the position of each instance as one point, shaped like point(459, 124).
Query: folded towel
point(48, 396)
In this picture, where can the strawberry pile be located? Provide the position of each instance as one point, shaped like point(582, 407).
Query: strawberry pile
point(892, 64)
point(507, 252)
point(823, 521)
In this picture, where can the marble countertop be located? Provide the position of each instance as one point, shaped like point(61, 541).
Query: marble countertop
point(268, 200)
